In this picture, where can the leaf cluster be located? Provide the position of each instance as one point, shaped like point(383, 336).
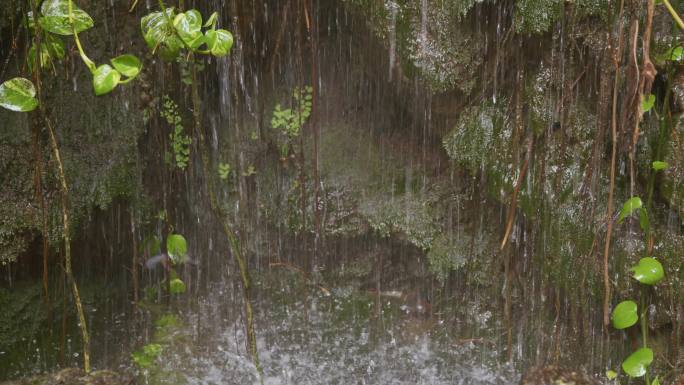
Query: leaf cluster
point(291, 120)
point(180, 142)
point(168, 32)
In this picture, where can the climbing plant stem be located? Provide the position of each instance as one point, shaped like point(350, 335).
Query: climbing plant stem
point(674, 14)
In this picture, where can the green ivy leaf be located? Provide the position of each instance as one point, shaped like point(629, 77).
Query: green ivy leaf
point(636, 364)
point(189, 27)
point(659, 165)
point(633, 204)
point(56, 19)
point(176, 247)
point(648, 271)
point(676, 53)
point(219, 42)
point(611, 374)
point(160, 35)
point(127, 65)
point(177, 286)
point(105, 79)
point(647, 102)
point(18, 94)
point(624, 315)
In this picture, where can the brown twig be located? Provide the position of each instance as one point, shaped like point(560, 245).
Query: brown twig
point(609, 209)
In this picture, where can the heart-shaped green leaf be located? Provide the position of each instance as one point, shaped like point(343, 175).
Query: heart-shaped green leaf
point(56, 18)
point(176, 247)
point(624, 315)
point(18, 94)
point(647, 102)
point(189, 27)
point(127, 65)
point(648, 271)
point(659, 165)
point(105, 78)
point(632, 204)
point(160, 35)
point(219, 42)
point(177, 286)
point(611, 374)
point(636, 364)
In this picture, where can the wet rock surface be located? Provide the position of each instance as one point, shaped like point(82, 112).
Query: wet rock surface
point(74, 376)
point(556, 375)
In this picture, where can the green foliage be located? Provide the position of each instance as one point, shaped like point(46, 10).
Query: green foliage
point(180, 142)
point(168, 32)
point(224, 170)
point(177, 286)
point(51, 48)
point(632, 205)
point(105, 78)
point(637, 363)
point(62, 17)
point(647, 102)
point(127, 65)
point(625, 315)
point(146, 357)
point(659, 165)
point(648, 271)
point(291, 120)
point(58, 19)
point(18, 94)
point(176, 247)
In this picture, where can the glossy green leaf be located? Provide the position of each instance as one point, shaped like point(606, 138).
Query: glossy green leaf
point(632, 204)
point(611, 374)
point(676, 53)
point(211, 22)
point(18, 94)
point(637, 363)
point(648, 271)
point(189, 27)
point(624, 315)
point(659, 165)
point(647, 102)
point(105, 79)
point(176, 247)
point(127, 65)
point(177, 286)
point(55, 18)
point(219, 42)
point(160, 35)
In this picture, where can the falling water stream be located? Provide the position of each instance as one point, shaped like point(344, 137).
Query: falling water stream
point(388, 266)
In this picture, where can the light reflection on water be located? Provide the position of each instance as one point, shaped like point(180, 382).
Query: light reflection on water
point(336, 346)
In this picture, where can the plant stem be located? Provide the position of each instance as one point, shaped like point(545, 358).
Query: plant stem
point(66, 234)
point(89, 63)
point(643, 317)
point(67, 247)
point(609, 213)
point(674, 14)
